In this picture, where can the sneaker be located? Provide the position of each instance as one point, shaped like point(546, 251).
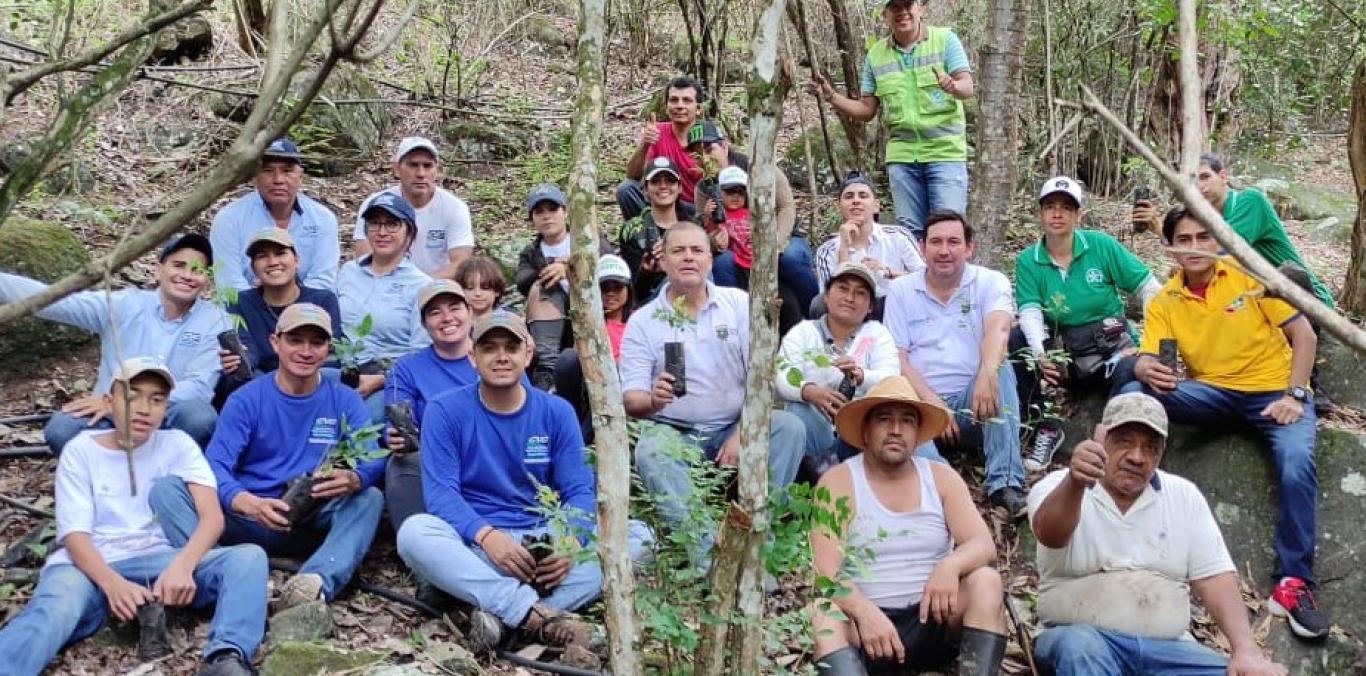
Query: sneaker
point(486, 631)
point(225, 663)
point(1294, 600)
point(1047, 439)
point(1011, 499)
point(551, 627)
point(299, 590)
point(433, 597)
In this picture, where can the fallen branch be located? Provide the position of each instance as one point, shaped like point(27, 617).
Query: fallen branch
point(1251, 261)
point(30, 508)
point(1066, 129)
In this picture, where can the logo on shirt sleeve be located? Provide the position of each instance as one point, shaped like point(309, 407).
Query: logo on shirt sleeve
point(537, 450)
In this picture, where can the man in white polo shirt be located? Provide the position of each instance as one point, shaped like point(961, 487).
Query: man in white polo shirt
point(1120, 546)
point(713, 324)
point(445, 232)
point(951, 322)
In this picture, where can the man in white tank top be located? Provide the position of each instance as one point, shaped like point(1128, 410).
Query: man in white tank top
point(912, 552)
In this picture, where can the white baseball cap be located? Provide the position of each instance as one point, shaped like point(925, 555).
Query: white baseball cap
point(411, 143)
point(1063, 184)
point(732, 176)
point(136, 366)
point(611, 267)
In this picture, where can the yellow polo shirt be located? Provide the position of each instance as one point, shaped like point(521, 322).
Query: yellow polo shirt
point(1231, 338)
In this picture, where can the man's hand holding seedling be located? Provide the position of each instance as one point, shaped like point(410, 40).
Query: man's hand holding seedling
point(268, 512)
point(175, 586)
point(335, 484)
point(553, 569)
point(506, 553)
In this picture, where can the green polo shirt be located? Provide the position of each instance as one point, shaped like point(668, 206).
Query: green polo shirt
point(1088, 290)
point(1251, 216)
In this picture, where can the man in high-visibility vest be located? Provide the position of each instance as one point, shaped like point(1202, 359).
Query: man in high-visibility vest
point(918, 76)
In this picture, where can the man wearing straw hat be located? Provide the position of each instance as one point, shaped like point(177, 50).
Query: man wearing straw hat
point(928, 590)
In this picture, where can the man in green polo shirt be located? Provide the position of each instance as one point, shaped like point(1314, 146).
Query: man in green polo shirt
point(1067, 286)
point(1250, 215)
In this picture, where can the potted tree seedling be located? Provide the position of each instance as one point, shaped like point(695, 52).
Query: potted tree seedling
point(354, 448)
point(225, 297)
point(349, 348)
point(677, 317)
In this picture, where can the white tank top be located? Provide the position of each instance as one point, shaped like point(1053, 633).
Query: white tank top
point(890, 554)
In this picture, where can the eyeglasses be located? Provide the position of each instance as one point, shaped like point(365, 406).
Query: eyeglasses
point(384, 226)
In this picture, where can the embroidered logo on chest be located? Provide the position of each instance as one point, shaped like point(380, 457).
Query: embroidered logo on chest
point(1094, 277)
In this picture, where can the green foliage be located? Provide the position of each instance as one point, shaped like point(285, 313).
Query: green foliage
point(356, 446)
point(349, 347)
point(676, 315)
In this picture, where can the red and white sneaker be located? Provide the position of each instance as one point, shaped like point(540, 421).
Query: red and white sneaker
point(1295, 601)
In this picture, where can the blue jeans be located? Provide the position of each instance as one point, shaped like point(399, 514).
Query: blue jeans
point(337, 536)
point(1084, 650)
point(1292, 453)
point(1000, 436)
point(67, 607)
point(922, 187)
point(665, 475)
point(436, 552)
point(195, 418)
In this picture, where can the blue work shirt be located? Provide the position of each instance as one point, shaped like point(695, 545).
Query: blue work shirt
point(390, 300)
point(312, 225)
point(265, 437)
point(188, 345)
point(425, 375)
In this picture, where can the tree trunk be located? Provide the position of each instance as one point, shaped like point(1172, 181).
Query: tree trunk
point(1192, 93)
point(590, 338)
point(851, 58)
point(996, 169)
point(249, 17)
point(737, 572)
point(1354, 294)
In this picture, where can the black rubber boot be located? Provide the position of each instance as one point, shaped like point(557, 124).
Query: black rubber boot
point(980, 652)
point(846, 661)
point(546, 334)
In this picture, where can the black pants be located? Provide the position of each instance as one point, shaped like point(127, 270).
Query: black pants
point(1029, 380)
point(928, 646)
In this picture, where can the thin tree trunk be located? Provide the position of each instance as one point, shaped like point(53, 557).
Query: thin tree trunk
point(1354, 294)
point(797, 15)
point(595, 350)
point(996, 169)
point(1192, 92)
point(737, 573)
point(249, 17)
point(851, 57)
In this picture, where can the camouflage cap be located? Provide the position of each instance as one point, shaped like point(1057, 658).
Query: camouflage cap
point(1135, 407)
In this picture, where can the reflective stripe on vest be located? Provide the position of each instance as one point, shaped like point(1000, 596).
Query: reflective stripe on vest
point(926, 124)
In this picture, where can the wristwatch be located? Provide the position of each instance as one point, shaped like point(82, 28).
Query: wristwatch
point(1300, 394)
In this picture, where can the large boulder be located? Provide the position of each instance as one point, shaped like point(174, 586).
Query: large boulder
point(1301, 202)
point(484, 140)
point(315, 659)
point(190, 38)
point(46, 252)
point(1341, 373)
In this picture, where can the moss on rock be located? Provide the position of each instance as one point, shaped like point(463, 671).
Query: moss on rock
point(296, 658)
point(46, 252)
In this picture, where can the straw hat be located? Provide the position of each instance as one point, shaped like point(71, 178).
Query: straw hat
point(894, 390)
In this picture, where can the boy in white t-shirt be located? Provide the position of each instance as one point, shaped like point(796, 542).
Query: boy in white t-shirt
point(113, 556)
point(445, 231)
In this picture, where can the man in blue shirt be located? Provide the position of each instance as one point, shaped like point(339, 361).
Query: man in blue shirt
point(277, 202)
point(488, 449)
point(171, 324)
point(276, 429)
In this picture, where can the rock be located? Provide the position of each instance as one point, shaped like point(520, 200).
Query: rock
point(794, 159)
point(541, 30)
point(1341, 373)
point(190, 38)
point(1332, 230)
point(64, 177)
point(1335, 656)
point(308, 622)
point(581, 658)
point(1299, 202)
point(395, 670)
point(485, 140)
point(295, 658)
point(334, 139)
point(46, 252)
point(452, 657)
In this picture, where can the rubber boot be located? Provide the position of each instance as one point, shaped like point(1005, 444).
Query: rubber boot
point(980, 652)
point(846, 661)
point(546, 334)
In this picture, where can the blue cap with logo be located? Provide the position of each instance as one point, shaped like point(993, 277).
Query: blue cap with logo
point(394, 205)
point(545, 192)
point(283, 149)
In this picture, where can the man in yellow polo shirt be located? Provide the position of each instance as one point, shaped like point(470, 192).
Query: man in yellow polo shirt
point(1247, 357)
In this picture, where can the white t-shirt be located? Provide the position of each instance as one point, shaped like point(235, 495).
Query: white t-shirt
point(943, 341)
point(1130, 572)
point(558, 252)
point(442, 225)
point(94, 496)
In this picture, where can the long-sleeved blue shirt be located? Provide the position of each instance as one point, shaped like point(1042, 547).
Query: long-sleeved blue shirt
point(260, 319)
point(265, 437)
point(312, 225)
point(423, 376)
point(391, 302)
point(188, 345)
point(481, 468)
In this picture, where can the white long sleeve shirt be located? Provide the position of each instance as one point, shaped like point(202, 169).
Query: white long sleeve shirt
point(871, 346)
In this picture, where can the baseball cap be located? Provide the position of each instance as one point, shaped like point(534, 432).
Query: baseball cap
point(545, 192)
point(1135, 407)
point(439, 287)
point(732, 176)
point(705, 131)
point(856, 178)
point(1066, 185)
point(271, 235)
point(300, 315)
point(394, 205)
point(500, 319)
point(132, 368)
point(853, 269)
point(612, 267)
point(283, 149)
point(660, 165)
point(411, 143)
point(191, 240)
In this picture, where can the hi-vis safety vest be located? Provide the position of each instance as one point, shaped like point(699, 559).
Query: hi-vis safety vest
point(926, 123)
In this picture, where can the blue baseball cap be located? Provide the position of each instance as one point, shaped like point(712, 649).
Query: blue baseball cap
point(394, 205)
point(545, 192)
point(191, 240)
point(283, 149)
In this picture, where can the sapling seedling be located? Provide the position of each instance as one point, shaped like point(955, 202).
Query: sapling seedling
point(353, 448)
point(226, 297)
point(349, 349)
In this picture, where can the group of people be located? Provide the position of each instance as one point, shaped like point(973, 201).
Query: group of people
point(398, 381)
